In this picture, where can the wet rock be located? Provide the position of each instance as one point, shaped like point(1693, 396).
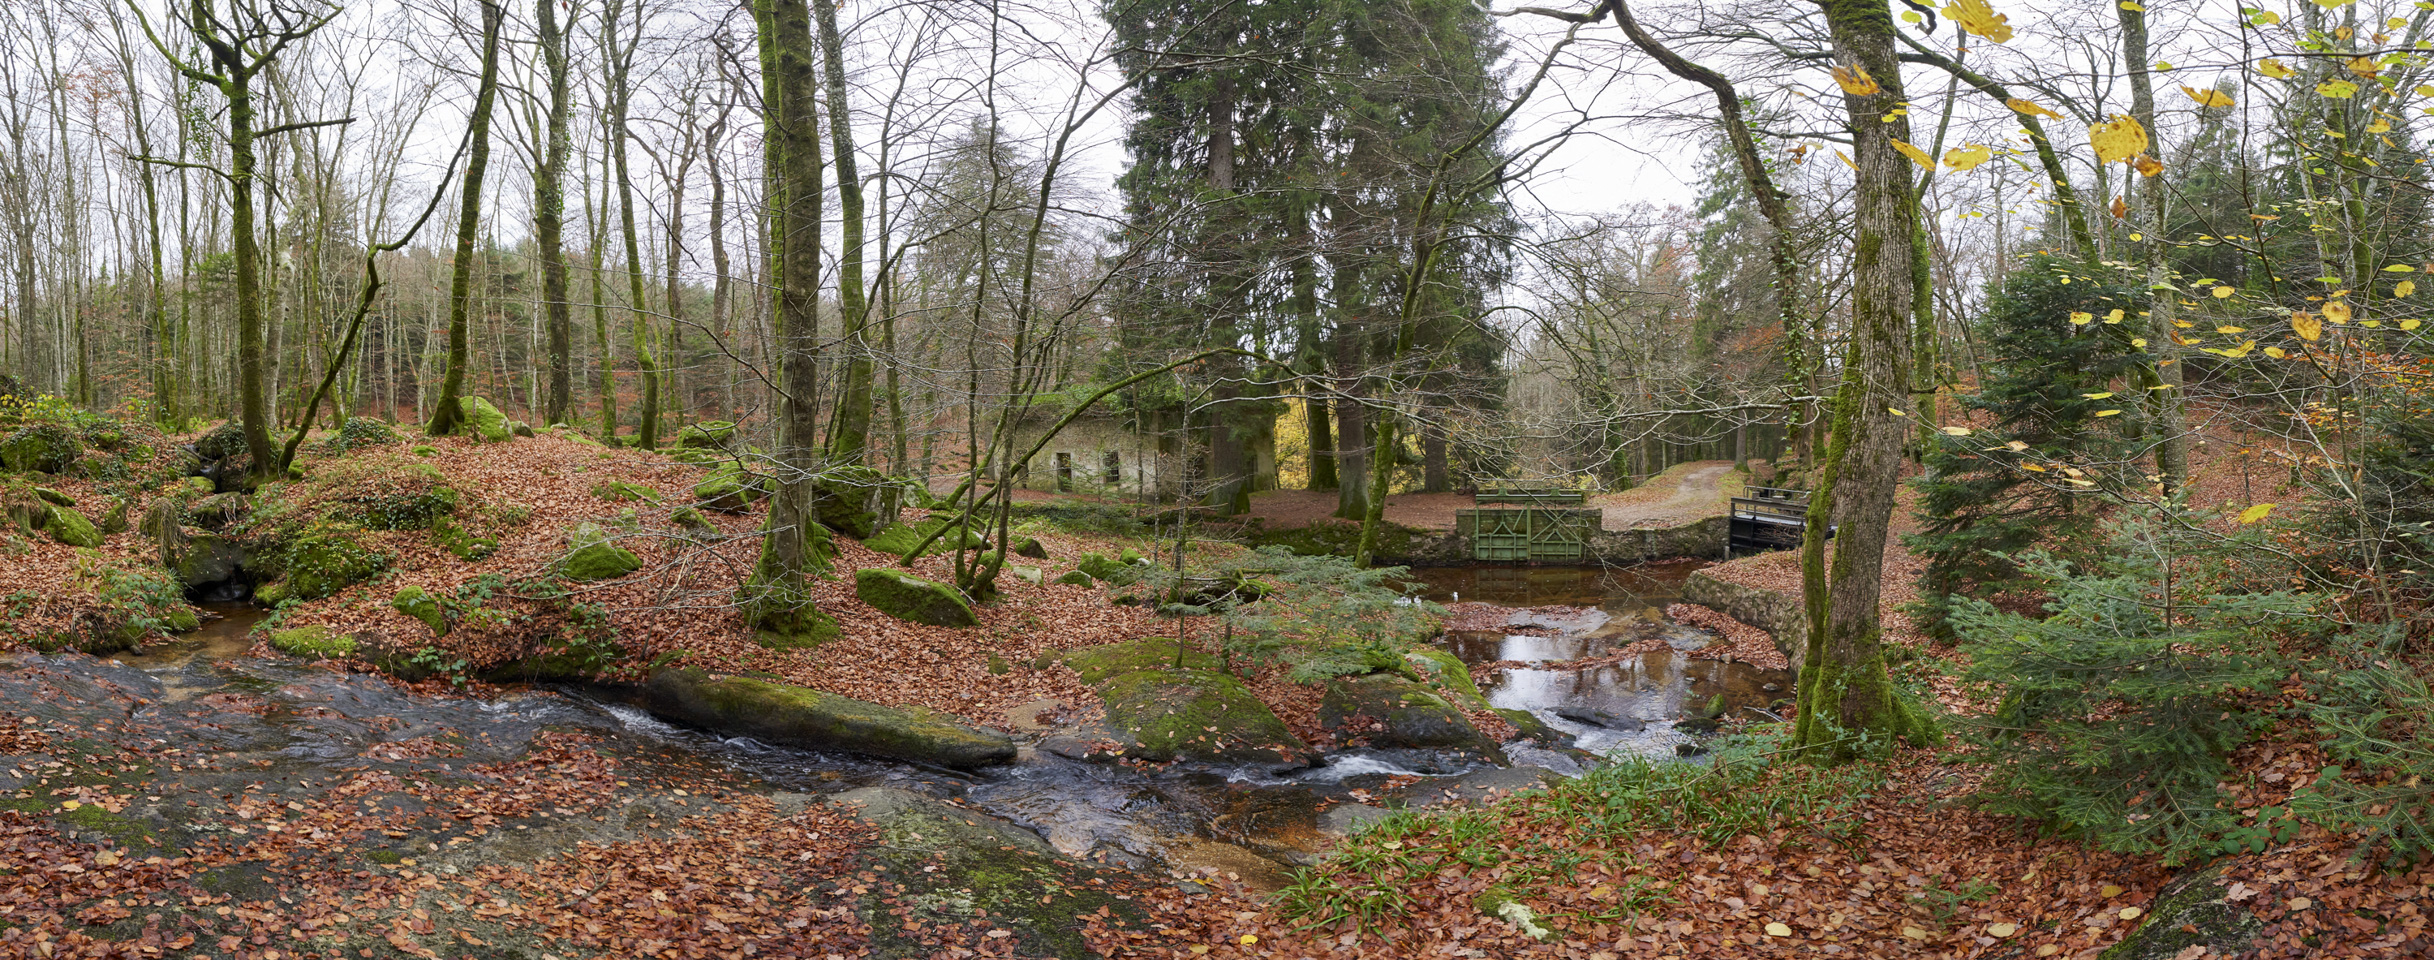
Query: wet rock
point(1596, 717)
point(1160, 712)
point(421, 605)
point(794, 716)
point(907, 597)
point(1395, 712)
point(1781, 615)
point(313, 643)
point(1534, 729)
point(2192, 911)
point(204, 559)
point(1347, 819)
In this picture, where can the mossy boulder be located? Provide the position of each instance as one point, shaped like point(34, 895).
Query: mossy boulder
point(72, 528)
point(1114, 571)
point(805, 629)
point(1162, 714)
point(706, 435)
point(692, 522)
point(327, 560)
point(520, 428)
point(203, 559)
point(482, 420)
point(1390, 710)
point(1029, 547)
point(221, 442)
point(786, 715)
point(425, 450)
point(907, 597)
point(898, 539)
point(729, 488)
point(40, 448)
point(856, 501)
point(1439, 668)
point(313, 642)
point(54, 497)
point(2193, 915)
point(219, 511)
point(358, 433)
point(381, 494)
point(1075, 578)
point(421, 605)
point(593, 557)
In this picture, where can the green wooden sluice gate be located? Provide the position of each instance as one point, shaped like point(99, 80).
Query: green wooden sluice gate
point(1529, 533)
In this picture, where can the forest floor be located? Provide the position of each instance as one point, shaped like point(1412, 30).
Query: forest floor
point(313, 812)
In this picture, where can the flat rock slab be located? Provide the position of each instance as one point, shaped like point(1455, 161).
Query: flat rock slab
point(794, 716)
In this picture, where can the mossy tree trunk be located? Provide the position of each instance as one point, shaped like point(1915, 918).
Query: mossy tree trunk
point(620, 103)
point(549, 216)
point(445, 415)
point(849, 436)
point(2162, 374)
point(776, 597)
point(1847, 700)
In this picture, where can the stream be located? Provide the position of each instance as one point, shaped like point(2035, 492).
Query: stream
point(303, 722)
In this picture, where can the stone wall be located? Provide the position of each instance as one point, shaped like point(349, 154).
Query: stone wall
point(1702, 539)
point(1779, 614)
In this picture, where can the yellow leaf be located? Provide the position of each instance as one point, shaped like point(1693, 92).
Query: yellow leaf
point(2015, 446)
point(2364, 66)
point(2138, 341)
point(2336, 89)
point(2425, 89)
point(2222, 292)
point(1978, 18)
point(2336, 313)
point(2252, 515)
point(2380, 125)
point(2133, 5)
point(2410, 323)
point(2082, 317)
point(71, 804)
point(2404, 288)
point(2032, 468)
point(2031, 108)
point(1968, 157)
point(1897, 411)
point(2207, 98)
point(2121, 138)
point(2002, 929)
point(2276, 69)
point(2121, 208)
point(2265, 18)
point(2109, 891)
point(1854, 80)
point(2276, 352)
point(1778, 930)
point(2107, 413)
point(1956, 431)
point(2334, 4)
point(1248, 939)
point(2114, 316)
point(2399, 268)
point(2230, 329)
point(1915, 154)
point(2147, 167)
point(2097, 396)
point(2306, 326)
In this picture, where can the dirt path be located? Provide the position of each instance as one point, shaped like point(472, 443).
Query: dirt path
point(1684, 493)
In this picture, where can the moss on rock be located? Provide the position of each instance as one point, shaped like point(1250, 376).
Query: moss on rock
point(907, 597)
point(1114, 571)
point(898, 539)
point(706, 435)
point(856, 501)
point(461, 542)
point(1163, 714)
point(482, 420)
point(40, 448)
point(794, 716)
point(1393, 711)
point(1075, 578)
point(328, 560)
point(593, 557)
point(619, 491)
point(314, 642)
point(421, 605)
point(70, 527)
point(729, 488)
point(1097, 665)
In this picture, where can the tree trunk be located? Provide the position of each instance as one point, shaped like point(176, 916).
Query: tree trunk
point(549, 218)
point(446, 415)
point(1847, 700)
point(776, 597)
point(2163, 337)
point(849, 435)
point(621, 61)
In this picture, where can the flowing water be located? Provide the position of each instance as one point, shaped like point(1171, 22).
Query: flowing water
point(210, 697)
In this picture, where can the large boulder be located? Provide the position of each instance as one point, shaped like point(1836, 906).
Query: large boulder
point(907, 597)
point(1159, 711)
point(482, 420)
point(421, 605)
point(899, 539)
point(1390, 710)
point(2193, 916)
point(593, 557)
point(40, 448)
point(856, 501)
point(786, 715)
point(202, 560)
point(220, 443)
